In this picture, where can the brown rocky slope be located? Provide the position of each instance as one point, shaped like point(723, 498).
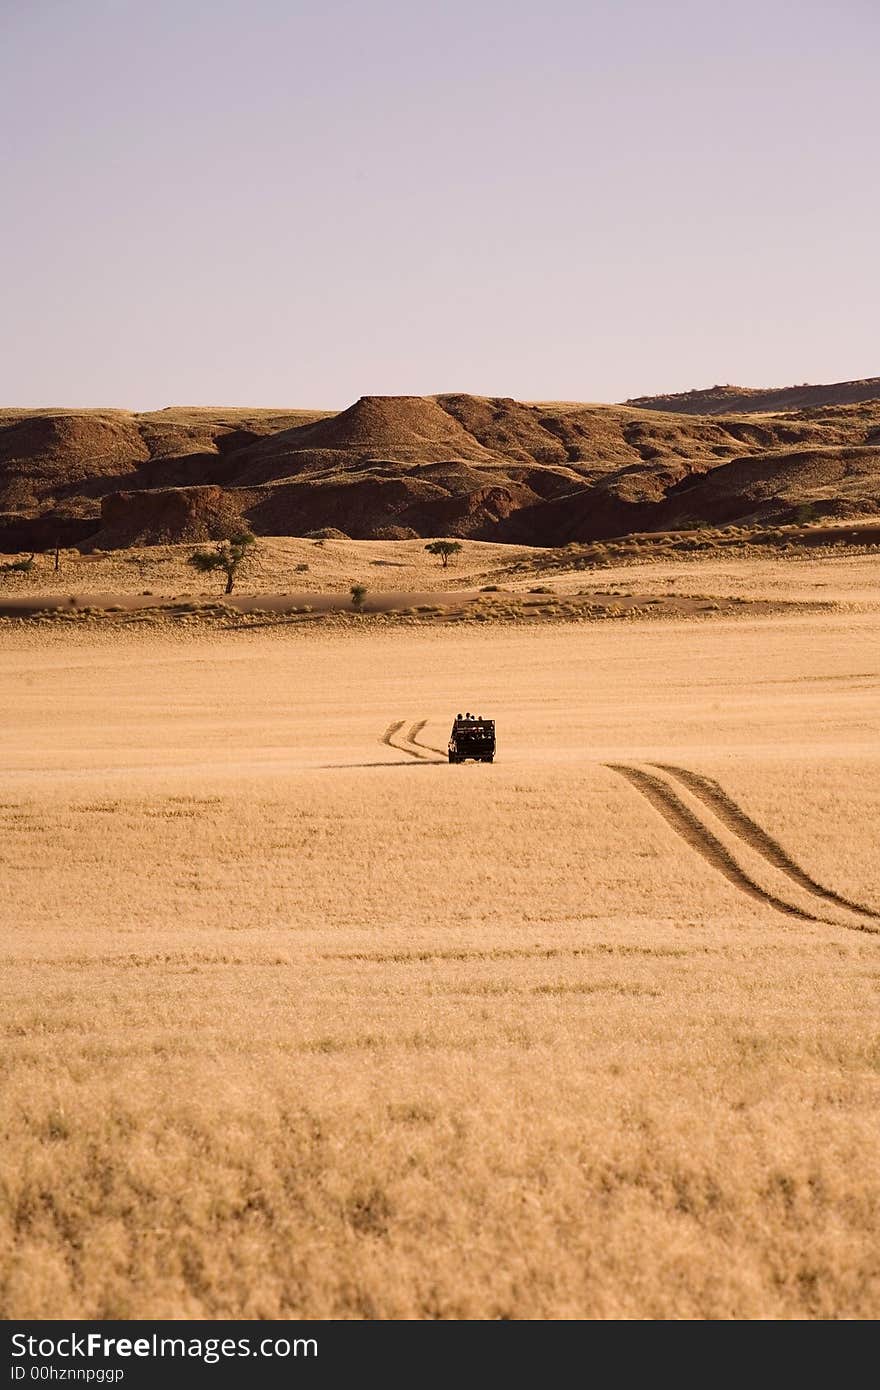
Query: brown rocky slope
point(490, 469)
point(722, 400)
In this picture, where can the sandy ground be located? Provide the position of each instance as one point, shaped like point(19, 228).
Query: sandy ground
point(300, 1020)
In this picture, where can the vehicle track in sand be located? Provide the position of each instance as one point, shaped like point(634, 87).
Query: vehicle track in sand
point(412, 737)
point(388, 736)
point(681, 818)
point(691, 829)
point(405, 743)
point(713, 795)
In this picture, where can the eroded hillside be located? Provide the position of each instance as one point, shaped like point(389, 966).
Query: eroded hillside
point(393, 467)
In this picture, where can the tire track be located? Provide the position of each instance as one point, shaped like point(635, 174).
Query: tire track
point(388, 736)
point(393, 738)
point(714, 796)
point(412, 738)
point(682, 820)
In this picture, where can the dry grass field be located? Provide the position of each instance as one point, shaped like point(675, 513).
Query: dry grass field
point(281, 565)
point(298, 1020)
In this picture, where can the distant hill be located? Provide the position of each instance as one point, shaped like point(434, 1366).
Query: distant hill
point(738, 400)
point(449, 465)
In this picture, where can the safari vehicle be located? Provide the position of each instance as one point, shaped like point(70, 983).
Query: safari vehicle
point(472, 737)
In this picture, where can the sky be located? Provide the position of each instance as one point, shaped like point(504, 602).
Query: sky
point(280, 203)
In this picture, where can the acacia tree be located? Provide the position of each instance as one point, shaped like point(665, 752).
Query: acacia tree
point(445, 549)
point(226, 556)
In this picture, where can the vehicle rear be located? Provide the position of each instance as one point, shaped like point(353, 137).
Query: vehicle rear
point(472, 740)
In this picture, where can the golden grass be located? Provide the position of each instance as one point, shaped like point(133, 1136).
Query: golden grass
point(278, 564)
point(290, 564)
point(300, 1023)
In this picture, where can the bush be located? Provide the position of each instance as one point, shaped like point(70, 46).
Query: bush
point(804, 514)
point(18, 566)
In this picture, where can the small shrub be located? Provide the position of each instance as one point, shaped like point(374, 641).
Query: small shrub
point(805, 514)
point(18, 566)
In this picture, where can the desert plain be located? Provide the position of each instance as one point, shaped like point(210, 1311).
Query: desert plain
point(301, 1021)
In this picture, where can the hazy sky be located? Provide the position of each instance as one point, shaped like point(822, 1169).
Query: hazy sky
point(274, 202)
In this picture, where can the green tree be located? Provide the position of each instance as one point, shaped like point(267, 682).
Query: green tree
point(226, 556)
point(358, 597)
point(445, 549)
